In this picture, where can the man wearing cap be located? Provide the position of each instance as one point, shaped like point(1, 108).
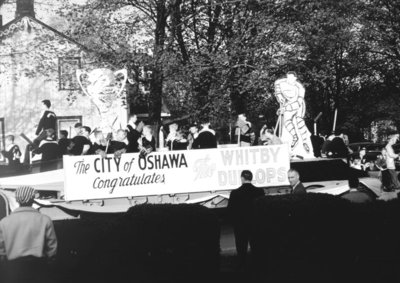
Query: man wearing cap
point(27, 240)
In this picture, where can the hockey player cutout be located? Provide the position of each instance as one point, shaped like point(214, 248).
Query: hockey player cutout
point(290, 95)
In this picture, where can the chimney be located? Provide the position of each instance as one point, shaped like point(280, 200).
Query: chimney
point(25, 8)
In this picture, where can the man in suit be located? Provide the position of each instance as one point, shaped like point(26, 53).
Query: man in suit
point(295, 184)
point(133, 134)
point(240, 209)
point(47, 121)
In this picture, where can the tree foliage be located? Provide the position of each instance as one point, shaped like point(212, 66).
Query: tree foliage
point(218, 58)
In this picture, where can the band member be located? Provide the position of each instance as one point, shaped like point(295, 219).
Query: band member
point(120, 144)
point(133, 134)
point(47, 121)
point(172, 136)
point(12, 153)
point(80, 144)
point(147, 143)
point(64, 142)
point(50, 151)
point(290, 95)
point(244, 131)
point(192, 137)
point(99, 145)
point(206, 137)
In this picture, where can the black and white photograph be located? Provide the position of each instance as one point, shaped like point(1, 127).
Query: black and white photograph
point(199, 141)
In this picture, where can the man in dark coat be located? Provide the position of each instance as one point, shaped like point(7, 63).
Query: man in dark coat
point(294, 180)
point(81, 143)
point(206, 137)
point(133, 134)
point(240, 209)
point(50, 151)
point(47, 121)
point(64, 142)
point(337, 148)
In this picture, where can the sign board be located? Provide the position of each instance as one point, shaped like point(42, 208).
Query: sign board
point(172, 172)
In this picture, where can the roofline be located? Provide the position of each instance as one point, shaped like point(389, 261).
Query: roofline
point(48, 27)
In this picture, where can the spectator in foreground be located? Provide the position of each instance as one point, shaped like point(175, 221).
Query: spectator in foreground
point(295, 184)
point(27, 241)
point(240, 206)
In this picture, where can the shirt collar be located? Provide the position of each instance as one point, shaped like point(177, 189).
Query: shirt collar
point(25, 209)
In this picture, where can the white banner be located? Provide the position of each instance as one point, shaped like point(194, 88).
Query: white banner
point(93, 177)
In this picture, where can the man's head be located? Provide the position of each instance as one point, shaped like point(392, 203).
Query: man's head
point(78, 128)
point(293, 176)
point(193, 129)
point(46, 104)
point(205, 122)
point(121, 135)
point(85, 131)
point(242, 117)
point(10, 139)
point(246, 176)
point(132, 119)
point(147, 130)
point(63, 134)
point(291, 76)
point(173, 127)
point(393, 138)
point(25, 196)
point(50, 134)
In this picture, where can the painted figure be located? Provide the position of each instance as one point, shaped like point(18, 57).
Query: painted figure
point(290, 95)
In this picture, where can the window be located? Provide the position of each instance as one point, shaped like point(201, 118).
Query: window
point(67, 123)
point(67, 67)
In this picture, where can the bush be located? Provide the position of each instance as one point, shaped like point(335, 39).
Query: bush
point(148, 243)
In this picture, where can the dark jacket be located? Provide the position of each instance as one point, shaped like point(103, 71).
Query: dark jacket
point(51, 152)
point(299, 189)
point(337, 148)
point(132, 135)
point(205, 139)
point(48, 121)
point(240, 204)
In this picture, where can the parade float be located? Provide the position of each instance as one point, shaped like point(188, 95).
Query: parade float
point(112, 184)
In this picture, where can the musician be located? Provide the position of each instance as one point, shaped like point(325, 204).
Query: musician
point(133, 134)
point(172, 136)
point(120, 144)
point(206, 137)
point(180, 142)
point(99, 145)
point(147, 143)
point(50, 151)
point(192, 137)
point(12, 153)
point(244, 131)
point(64, 142)
point(47, 121)
point(81, 143)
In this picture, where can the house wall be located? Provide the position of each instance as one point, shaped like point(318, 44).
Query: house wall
point(29, 73)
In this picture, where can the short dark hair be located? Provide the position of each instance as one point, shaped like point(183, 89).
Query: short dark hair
point(291, 170)
point(64, 133)
point(87, 129)
point(47, 103)
point(78, 125)
point(247, 175)
point(292, 73)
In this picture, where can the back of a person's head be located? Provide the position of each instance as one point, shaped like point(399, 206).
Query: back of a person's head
point(87, 129)
point(25, 195)
point(247, 175)
point(64, 133)
point(47, 103)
